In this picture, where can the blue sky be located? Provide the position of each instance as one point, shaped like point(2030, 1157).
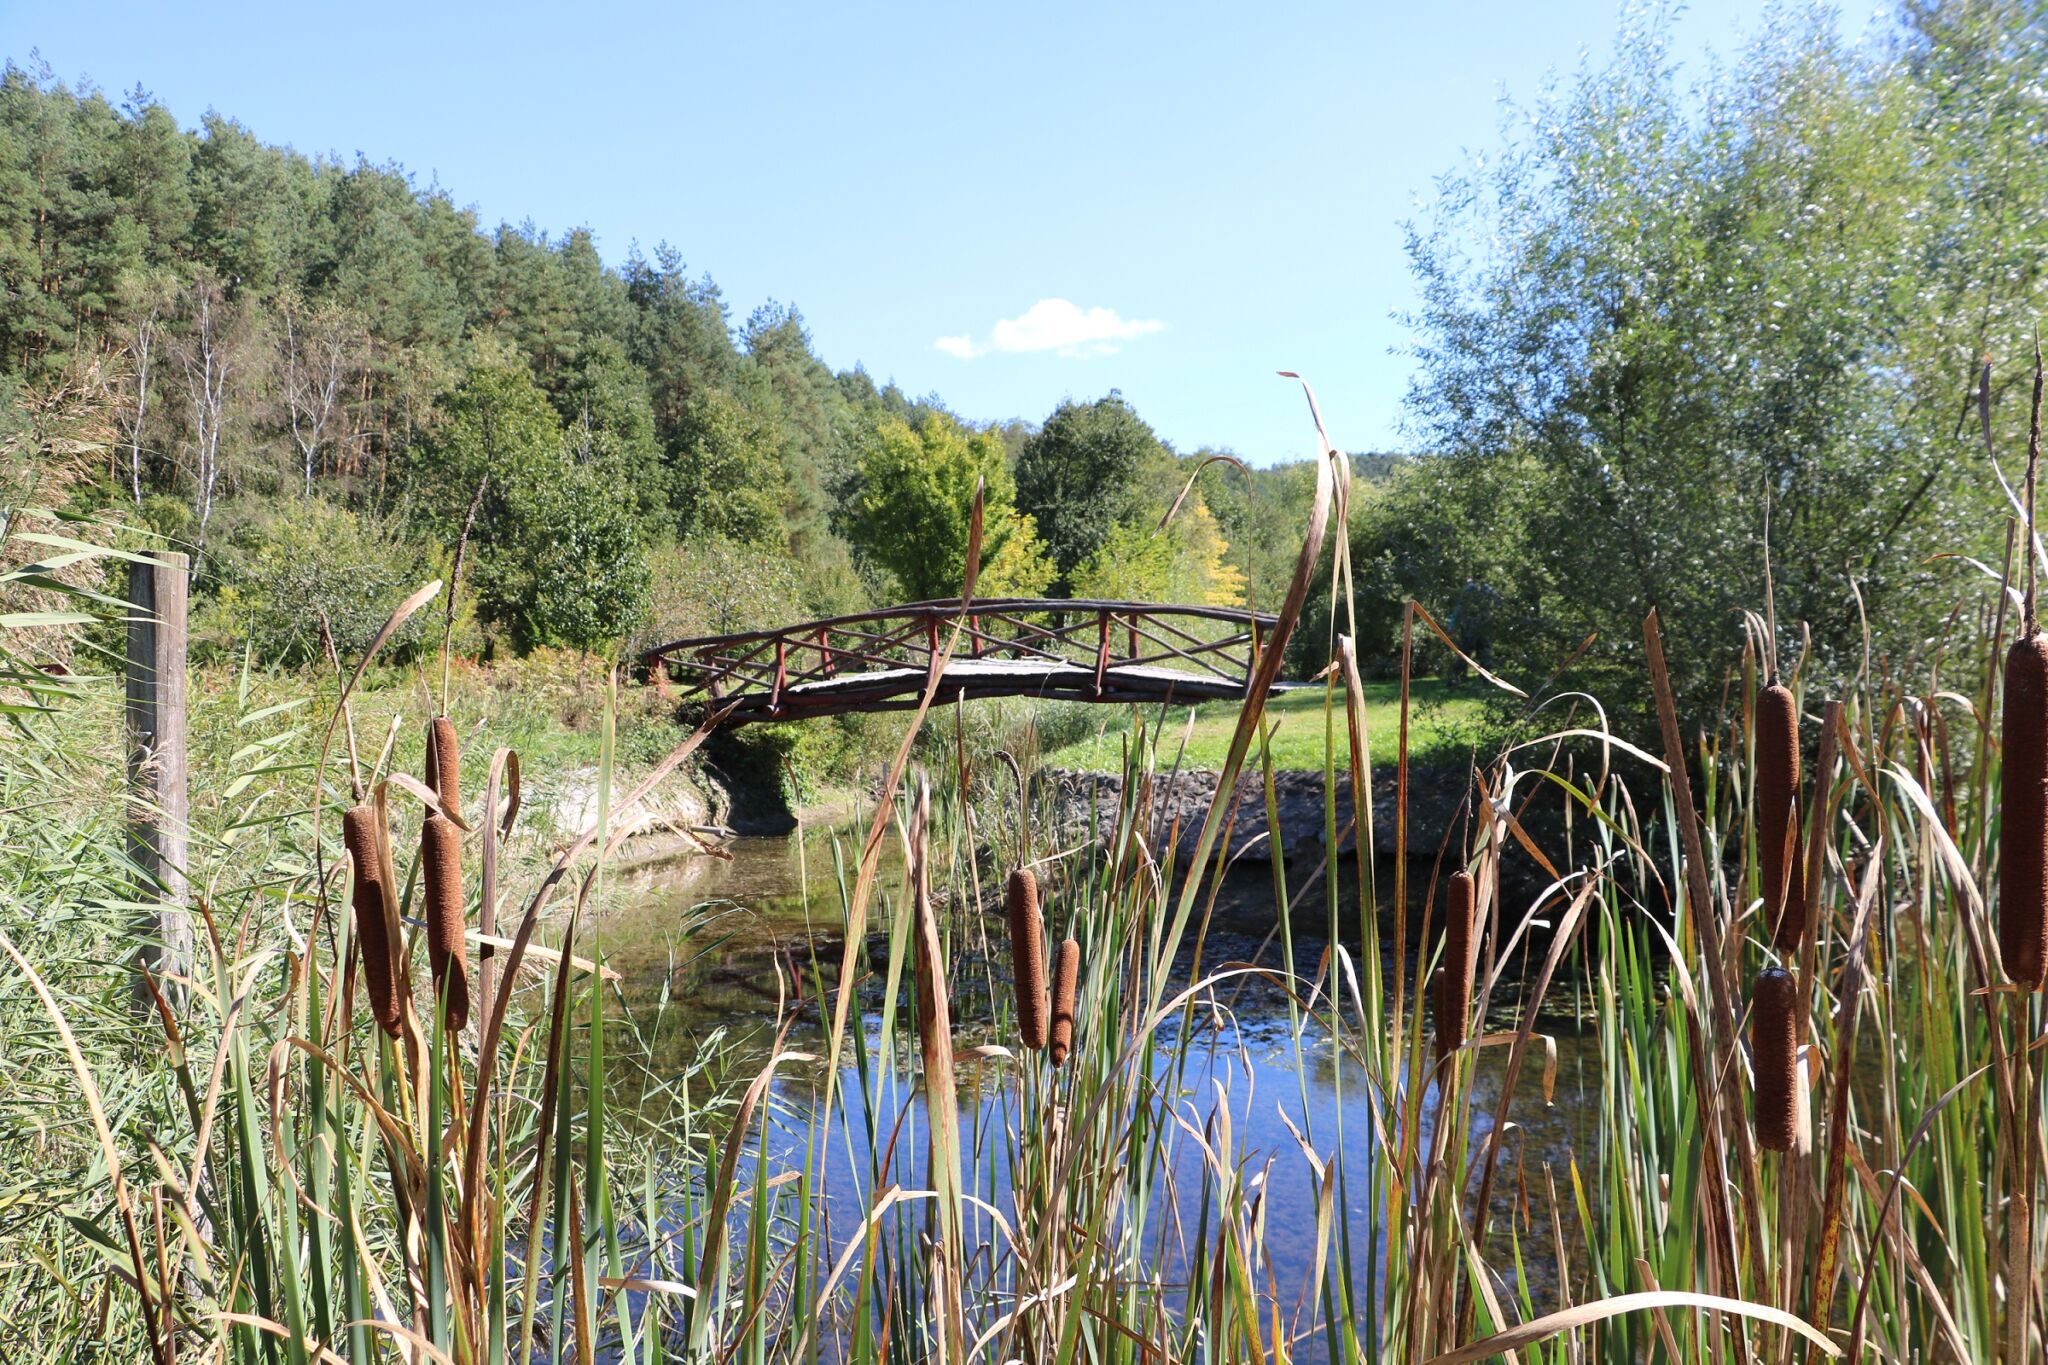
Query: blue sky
point(1005, 205)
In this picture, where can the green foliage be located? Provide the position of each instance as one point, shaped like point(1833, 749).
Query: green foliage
point(729, 481)
point(603, 404)
point(558, 557)
point(383, 352)
point(1658, 311)
point(313, 561)
point(1132, 563)
point(716, 586)
point(679, 334)
point(1084, 472)
point(787, 381)
point(1182, 562)
point(912, 500)
point(1259, 512)
point(570, 568)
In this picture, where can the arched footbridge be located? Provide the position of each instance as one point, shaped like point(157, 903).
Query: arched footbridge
point(1006, 647)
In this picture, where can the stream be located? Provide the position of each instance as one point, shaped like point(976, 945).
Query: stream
point(712, 951)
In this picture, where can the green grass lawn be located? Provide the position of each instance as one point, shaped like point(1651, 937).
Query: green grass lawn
point(1443, 718)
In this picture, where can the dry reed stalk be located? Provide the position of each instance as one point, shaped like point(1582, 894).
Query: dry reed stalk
point(1066, 978)
point(1027, 955)
point(1436, 1009)
point(2019, 1259)
point(444, 763)
point(441, 860)
point(373, 931)
point(1461, 959)
point(1774, 1049)
point(2023, 794)
point(1777, 815)
point(935, 1041)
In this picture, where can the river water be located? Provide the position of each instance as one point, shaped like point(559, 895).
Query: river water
point(713, 952)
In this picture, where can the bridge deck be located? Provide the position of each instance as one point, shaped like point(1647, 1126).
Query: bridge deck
point(1096, 651)
point(898, 689)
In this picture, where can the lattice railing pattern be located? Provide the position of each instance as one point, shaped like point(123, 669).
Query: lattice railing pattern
point(1212, 644)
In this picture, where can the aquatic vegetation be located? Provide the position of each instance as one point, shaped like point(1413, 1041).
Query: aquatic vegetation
point(1822, 1138)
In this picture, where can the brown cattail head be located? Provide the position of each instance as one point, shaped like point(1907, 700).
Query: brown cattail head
point(1777, 817)
point(2023, 815)
point(441, 861)
point(1774, 1056)
point(373, 932)
point(444, 763)
point(1027, 955)
point(1436, 1010)
point(1461, 958)
point(1066, 976)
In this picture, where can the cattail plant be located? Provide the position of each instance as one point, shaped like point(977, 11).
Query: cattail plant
point(441, 861)
point(1066, 977)
point(1027, 955)
point(1444, 1045)
point(365, 846)
point(1777, 816)
point(444, 763)
point(2023, 791)
point(1461, 960)
point(1774, 1048)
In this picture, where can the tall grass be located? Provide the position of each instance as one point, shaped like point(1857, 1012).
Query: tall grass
point(320, 1188)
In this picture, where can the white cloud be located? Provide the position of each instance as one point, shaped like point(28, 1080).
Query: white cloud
point(1055, 325)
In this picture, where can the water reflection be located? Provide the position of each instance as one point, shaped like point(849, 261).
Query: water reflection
point(718, 950)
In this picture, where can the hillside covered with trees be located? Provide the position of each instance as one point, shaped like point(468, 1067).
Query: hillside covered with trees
point(314, 375)
point(1671, 321)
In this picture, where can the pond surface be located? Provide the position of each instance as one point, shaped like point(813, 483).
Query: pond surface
point(711, 952)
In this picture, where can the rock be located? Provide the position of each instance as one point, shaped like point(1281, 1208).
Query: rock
point(569, 806)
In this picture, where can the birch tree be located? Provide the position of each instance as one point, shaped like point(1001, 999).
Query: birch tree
point(206, 360)
point(132, 414)
point(319, 346)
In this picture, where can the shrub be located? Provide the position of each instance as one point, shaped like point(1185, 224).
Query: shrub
point(283, 573)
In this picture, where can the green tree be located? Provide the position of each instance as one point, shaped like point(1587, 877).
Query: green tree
point(679, 336)
point(310, 562)
point(910, 506)
point(1658, 310)
point(602, 401)
point(571, 569)
point(1085, 471)
point(1183, 561)
point(786, 381)
point(729, 481)
point(558, 557)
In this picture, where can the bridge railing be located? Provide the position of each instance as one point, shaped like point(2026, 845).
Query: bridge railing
point(1215, 644)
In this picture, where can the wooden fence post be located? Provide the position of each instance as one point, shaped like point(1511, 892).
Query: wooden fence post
point(158, 810)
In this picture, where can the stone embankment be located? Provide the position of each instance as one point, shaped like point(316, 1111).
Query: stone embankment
point(1180, 803)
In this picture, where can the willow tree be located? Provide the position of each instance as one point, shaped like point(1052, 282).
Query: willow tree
point(1658, 312)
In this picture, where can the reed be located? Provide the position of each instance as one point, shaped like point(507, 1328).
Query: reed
point(1066, 980)
point(1777, 817)
point(441, 862)
point(2023, 813)
point(1773, 1046)
point(1448, 1036)
point(1027, 955)
point(366, 847)
point(335, 1196)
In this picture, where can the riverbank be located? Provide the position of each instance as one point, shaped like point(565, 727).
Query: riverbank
point(1444, 720)
point(1085, 800)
